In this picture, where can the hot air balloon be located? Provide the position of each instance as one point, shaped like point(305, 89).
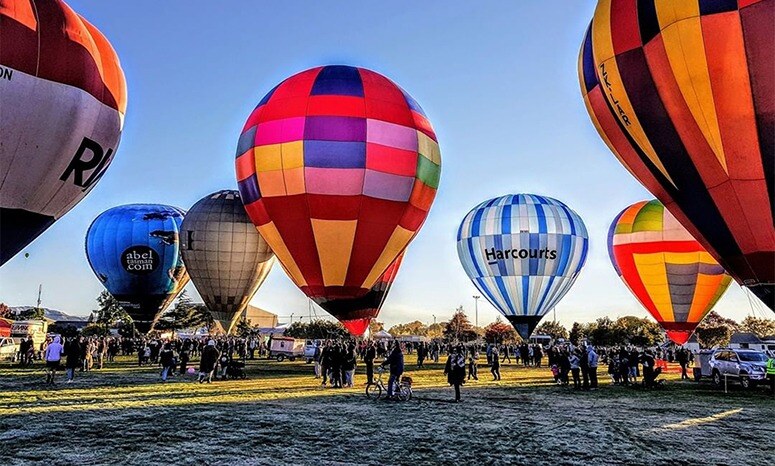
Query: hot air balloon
point(356, 313)
point(670, 273)
point(224, 255)
point(135, 252)
point(523, 252)
point(683, 93)
point(337, 167)
point(63, 102)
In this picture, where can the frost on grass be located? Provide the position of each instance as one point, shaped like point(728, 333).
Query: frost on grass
point(281, 416)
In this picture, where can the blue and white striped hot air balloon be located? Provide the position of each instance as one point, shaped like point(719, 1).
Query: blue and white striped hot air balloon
point(523, 252)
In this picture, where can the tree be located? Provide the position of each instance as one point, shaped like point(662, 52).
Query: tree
point(317, 330)
point(459, 328)
point(375, 326)
point(553, 329)
point(110, 312)
point(710, 337)
point(185, 314)
point(714, 319)
point(636, 331)
point(436, 330)
point(601, 332)
point(759, 327)
point(412, 328)
point(95, 330)
point(5, 311)
point(577, 332)
point(500, 332)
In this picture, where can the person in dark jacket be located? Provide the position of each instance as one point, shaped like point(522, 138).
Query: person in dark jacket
point(368, 359)
point(495, 368)
point(396, 363)
point(207, 362)
point(166, 357)
point(73, 355)
point(326, 359)
point(455, 369)
point(184, 358)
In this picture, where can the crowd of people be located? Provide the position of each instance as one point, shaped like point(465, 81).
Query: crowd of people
point(335, 360)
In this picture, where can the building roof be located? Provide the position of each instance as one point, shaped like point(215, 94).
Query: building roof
point(744, 338)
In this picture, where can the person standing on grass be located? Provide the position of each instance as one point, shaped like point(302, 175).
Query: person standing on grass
point(495, 368)
point(326, 356)
point(368, 358)
point(166, 355)
point(506, 354)
point(472, 371)
point(524, 354)
point(584, 367)
point(52, 356)
point(207, 362)
point(574, 361)
point(683, 359)
point(455, 370)
point(348, 366)
point(184, 357)
point(396, 363)
point(316, 359)
point(73, 354)
point(592, 362)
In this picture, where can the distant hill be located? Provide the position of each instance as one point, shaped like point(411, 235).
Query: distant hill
point(53, 314)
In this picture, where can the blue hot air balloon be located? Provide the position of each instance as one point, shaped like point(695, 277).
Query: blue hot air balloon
point(135, 252)
point(523, 252)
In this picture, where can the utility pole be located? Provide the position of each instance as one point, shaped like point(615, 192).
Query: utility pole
point(434, 319)
point(40, 291)
point(476, 308)
point(291, 317)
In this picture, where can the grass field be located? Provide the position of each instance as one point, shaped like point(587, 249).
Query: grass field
point(124, 415)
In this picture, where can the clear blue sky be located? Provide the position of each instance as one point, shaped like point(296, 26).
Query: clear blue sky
point(497, 80)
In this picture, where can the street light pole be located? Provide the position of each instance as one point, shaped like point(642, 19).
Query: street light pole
point(434, 319)
point(476, 308)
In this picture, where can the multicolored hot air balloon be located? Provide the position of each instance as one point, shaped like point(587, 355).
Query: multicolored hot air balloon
point(135, 252)
point(523, 252)
point(224, 255)
point(337, 167)
point(356, 313)
point(670, 273)
point(63, 100)
point(683, 93)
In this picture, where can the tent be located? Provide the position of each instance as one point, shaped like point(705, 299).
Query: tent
point(382, 335)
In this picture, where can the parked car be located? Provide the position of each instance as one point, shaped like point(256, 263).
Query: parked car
point(8, 348)
point(746, 366)
point(309, 350)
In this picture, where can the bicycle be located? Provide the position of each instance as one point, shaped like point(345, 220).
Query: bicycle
point(402, 392)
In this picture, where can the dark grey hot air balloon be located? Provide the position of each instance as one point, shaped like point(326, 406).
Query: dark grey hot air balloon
point(224, 254)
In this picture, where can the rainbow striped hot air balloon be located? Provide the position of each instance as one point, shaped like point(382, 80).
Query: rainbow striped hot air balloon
point(337, 167)
point(667, 270)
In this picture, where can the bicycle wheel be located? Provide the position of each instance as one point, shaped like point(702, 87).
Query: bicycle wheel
point(404, 393)
point(373, 391)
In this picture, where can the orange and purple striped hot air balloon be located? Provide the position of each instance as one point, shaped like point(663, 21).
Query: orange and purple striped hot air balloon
point(683, 93)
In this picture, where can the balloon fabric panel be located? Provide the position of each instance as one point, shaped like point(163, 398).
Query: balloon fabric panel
point(684, 95)
point(338, 168)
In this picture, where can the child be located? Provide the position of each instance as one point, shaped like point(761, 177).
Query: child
point(472, 367)
point(556, 374)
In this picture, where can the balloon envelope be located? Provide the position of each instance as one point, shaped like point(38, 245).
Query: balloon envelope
point(63, 102)
point(683, 93)
point(667, 270)
point(135, 252)
point(338, 167)
point(523, 252)
point(356, 313)
point(224, 255)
